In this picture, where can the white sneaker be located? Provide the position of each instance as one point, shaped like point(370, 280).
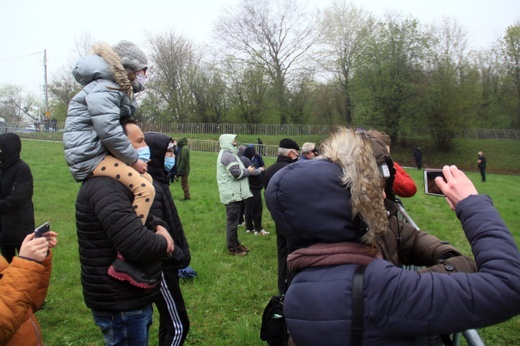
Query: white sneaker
point(263, 232)
point(249, 231)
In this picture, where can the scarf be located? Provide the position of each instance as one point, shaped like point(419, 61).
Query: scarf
point(324, 255)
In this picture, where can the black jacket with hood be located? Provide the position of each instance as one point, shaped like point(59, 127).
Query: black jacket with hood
point(16, 191)
point(163, 206)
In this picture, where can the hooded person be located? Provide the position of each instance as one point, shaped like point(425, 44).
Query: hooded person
point(344, 217)
point(94, 141)
point(403, 244)
point(233, 188)
point(253, 205)
point(174, 323)
point(16, 191)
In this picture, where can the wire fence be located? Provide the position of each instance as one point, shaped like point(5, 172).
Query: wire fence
point(43, 132)
point(268, 130)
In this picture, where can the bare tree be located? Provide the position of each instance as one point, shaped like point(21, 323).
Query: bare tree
point(15, 106)
point(83, 44)
point(449, 88)
point(247, 90)
point(63, 86)
point(209, 91)
point(174, 64)
point(345, 29)
point(274, 34)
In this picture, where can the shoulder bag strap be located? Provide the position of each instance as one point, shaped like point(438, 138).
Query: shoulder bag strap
point(357, 307)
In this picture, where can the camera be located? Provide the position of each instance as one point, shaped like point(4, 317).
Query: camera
point(430, 187)
point(41, 230)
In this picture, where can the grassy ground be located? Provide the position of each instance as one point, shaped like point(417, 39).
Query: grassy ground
point(226, 301)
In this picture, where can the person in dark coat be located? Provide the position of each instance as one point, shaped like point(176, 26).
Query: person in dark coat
point(288, 153)
point(16, 191)
point(481, 162)
point(174, 323)
point(344, 216)
point(253, 205)
point(183, 165)
point(417, 154)
point(107, 225)
point(260, 146)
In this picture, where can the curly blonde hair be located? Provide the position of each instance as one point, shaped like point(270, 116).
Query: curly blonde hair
point(352, 151)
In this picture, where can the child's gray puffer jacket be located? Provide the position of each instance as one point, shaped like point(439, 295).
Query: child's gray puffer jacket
point(92, 128)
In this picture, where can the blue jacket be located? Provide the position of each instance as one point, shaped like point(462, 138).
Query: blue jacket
point(401, 307)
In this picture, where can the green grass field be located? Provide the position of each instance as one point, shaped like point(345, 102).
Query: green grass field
point(226, 301)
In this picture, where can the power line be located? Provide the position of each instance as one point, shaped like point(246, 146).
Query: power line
point(22, 56)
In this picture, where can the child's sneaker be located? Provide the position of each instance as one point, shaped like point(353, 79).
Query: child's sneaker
point(123, 271)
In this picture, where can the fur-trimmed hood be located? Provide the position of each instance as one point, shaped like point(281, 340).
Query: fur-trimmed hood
point(104, 63)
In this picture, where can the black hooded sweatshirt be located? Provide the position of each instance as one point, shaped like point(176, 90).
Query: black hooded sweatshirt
point(163, 206)
point(16, 190)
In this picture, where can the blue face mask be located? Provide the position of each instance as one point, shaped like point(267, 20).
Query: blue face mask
point(169, 162)
point(144, 154)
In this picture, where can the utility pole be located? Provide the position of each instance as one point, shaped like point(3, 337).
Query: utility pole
point(46, 103)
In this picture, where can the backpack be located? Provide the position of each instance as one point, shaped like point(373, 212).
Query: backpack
point(274, 328)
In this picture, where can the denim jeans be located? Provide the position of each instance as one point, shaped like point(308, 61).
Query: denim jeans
point(125, 328)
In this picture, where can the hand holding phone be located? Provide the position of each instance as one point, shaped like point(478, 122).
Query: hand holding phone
point(41, 230)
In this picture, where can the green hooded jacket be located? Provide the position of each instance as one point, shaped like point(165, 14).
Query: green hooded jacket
point(231, 173)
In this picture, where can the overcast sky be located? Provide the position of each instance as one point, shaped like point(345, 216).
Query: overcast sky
point(29, 26)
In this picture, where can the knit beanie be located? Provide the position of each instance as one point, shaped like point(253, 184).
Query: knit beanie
point(132, 57)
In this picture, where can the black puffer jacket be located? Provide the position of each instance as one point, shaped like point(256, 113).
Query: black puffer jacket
point(163, 201)
point(106, 223)
point(16, 191)
point(281, 162)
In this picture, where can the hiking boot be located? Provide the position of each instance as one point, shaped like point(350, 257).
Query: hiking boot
point(123, 271)
point(243, 248)
point(238, 252)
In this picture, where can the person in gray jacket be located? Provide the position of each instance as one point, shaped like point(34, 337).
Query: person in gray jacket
point(233, 189)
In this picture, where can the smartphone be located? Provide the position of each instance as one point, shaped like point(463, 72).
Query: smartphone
point(430, 187)
point(41, 230)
